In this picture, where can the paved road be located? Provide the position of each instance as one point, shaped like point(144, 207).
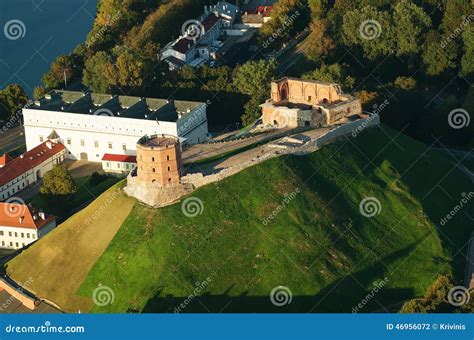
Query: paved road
point(12, 139)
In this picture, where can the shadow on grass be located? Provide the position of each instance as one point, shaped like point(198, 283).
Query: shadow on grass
point(342, 296)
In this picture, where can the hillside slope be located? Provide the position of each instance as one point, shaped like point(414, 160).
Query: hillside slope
point(58, 263)
point(319, 245)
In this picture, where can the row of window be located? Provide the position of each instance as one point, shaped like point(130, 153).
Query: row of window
point(128, 166)
point(92, 126)
point(11, 244)
point(22, 235)
point(14, 190)
point(83, 143)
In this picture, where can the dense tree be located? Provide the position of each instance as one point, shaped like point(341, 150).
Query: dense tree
point(58, 182)
point(436, 57)
point(467, 61)
point(39, 92)
point(334, 73)
point(12, 99)
point(411, 23)
point(319, 44)
point(95, 71)
point(437, 299)
point(253, 79)
point(371, 29)
point(288, 18)
point(65, 67)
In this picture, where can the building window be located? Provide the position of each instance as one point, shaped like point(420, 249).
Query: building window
point(152, 159)
point(107, 164)
point(124, 147)
point(16, 234)
point(96, 144)
point(27, 235)
point(153, 169)
point(83, 143)
point(41, 139)
point(1, 232)
point(69, 141)
point(168, 158)
point(110, 145)
point(22, 235)
point(118, 165)
point(169, 169)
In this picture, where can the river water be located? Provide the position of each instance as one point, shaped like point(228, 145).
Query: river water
point(34, 32)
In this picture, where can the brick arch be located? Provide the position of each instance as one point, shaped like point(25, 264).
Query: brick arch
point(310, 91)
point(296, 90)
point(283, 91)
point(323, 94)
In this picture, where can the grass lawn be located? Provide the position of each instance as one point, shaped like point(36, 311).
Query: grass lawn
point(59, 262)
point(318, 244)
point(86, 192)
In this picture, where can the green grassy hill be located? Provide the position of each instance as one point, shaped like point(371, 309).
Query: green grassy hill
point(319, 245)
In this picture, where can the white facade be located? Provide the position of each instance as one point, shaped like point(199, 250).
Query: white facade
point(89, 137)
point(114, 167)
point(17, 237)
point(30, 176)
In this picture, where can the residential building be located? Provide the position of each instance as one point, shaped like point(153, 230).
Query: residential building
point(21, 225)
point(298, 103)
point(200, 43)
point(91, 125)
point(16, 174)
point(118, 164)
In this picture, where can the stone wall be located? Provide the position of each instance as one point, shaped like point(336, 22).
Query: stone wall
point(156, 196)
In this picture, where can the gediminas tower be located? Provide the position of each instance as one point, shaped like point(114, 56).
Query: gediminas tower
point(159, 160)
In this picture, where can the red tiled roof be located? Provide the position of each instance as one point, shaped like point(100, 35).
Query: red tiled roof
point(209, 22)
point(28, 161)
point(183, 45)
point(265, 10)
point(22, 216)
point(119, 158)
point(4, 159)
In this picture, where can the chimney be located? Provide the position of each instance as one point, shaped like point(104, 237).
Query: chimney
point(42, 215)
point(20, 219)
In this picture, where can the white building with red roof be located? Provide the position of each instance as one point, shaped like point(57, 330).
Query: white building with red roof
point(199, 42)
point(21, 225)
point(118, 164)
point(18, 173)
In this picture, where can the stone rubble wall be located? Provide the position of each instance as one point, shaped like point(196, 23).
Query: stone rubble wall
point(156, 196)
